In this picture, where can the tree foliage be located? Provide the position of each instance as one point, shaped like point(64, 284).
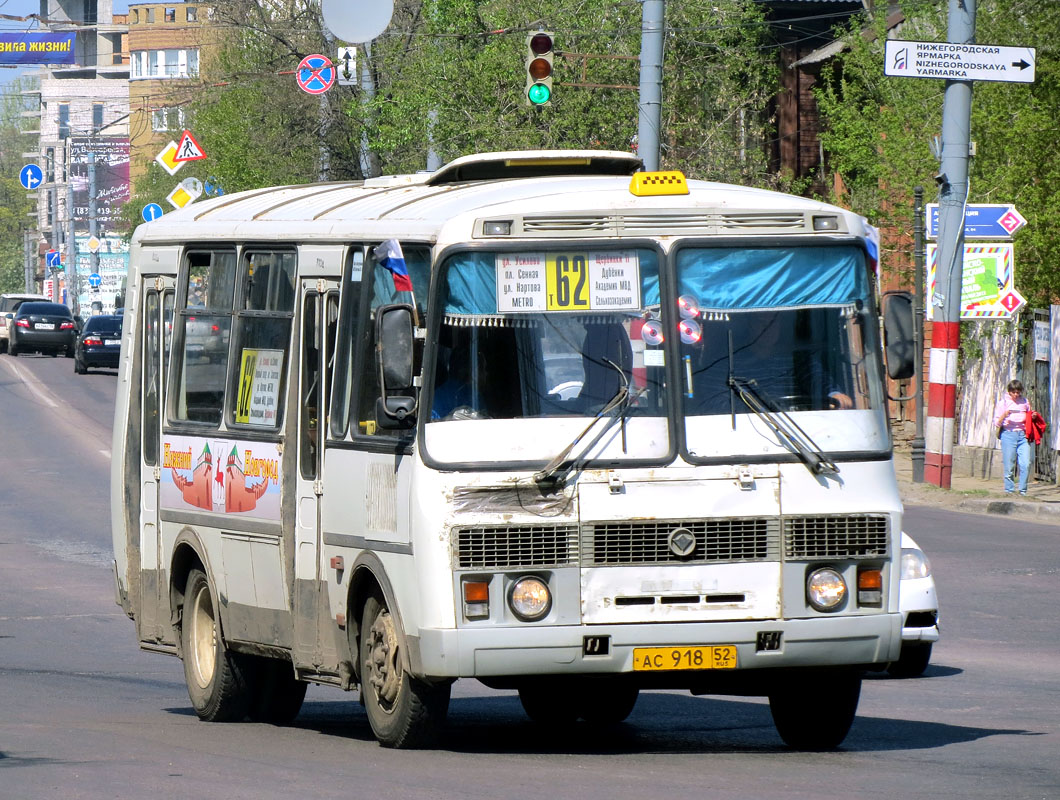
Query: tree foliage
point(448, 76)
point(14, 205)
point(878, 130)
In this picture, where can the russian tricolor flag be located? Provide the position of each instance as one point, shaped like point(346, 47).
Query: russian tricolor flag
point(389, 255)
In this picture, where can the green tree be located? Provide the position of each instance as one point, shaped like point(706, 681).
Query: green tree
point(14, 205)
point(878, 130)
point(450, 76)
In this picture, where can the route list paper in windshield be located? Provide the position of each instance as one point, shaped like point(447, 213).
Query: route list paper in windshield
point(575, 281)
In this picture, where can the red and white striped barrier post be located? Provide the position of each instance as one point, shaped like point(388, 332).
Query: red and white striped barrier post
point(942, 403)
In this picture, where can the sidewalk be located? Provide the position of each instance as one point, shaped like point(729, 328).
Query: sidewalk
point(977, 495)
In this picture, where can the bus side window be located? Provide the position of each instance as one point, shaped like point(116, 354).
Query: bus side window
point(309, 400)
point(152, 378)
point(263, 334)
point(348, 308)
point(366, 369)
point(203, 329)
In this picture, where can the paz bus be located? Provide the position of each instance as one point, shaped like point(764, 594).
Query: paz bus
point(539, 418)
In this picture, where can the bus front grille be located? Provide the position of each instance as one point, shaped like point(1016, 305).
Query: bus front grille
point(508, 546)
point(671, 541)
point(845, 536)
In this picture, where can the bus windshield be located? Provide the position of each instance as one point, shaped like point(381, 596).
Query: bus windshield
point(527, 336)
point(788, 326)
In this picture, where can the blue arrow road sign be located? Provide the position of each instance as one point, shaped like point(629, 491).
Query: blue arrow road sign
point(151, 211)
point(53, 258)
point(982, 221)
point(31, 176)
point(94, 280)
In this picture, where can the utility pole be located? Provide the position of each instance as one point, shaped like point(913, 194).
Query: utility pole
point(649, 108)
point(918, 332)
point(953, 196)
point(72, 299)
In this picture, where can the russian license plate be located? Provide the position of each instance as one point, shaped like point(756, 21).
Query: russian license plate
point(660, 659)
point(44, 326)
point(113, 342)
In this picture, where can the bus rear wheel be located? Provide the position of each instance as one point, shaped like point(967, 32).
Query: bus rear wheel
point(404, 712)
point(218, 680)
point(815, 712)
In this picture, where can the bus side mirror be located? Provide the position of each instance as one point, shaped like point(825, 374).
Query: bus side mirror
point(395, 350)
point(899, 335)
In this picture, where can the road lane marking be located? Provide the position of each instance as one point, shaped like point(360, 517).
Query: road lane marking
point(34, 386)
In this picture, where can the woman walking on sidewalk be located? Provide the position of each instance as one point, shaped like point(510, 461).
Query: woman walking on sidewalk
point(1010, 416)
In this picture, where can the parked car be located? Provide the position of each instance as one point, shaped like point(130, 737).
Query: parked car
point(98, 344)
point(42, 327)
point(918, 602)
point(9, 304)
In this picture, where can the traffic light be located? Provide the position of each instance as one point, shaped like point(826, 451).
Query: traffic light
point(539, 69)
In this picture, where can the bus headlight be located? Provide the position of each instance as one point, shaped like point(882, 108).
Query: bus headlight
point(914, 564)
point(529, 598)
point(825, 589)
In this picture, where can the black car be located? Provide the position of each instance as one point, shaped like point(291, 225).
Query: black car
point(99, 343)
point(42, 327)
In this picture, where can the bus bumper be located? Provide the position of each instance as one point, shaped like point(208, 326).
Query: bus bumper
point(560, 650)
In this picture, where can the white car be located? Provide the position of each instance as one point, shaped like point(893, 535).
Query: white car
point(919, 605)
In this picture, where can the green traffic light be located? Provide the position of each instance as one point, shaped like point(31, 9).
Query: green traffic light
point(539, 94)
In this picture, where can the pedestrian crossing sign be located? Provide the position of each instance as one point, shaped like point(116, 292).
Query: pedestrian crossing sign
point(188, 149)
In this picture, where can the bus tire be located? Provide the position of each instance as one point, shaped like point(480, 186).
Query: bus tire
point(912, 662)
point(550, 702)
point(816, 711)
point(278, 695)
point(404, 712)
point(218, 680)
point(606, 702)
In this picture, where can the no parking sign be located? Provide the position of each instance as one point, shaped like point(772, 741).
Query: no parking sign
point(316, 74)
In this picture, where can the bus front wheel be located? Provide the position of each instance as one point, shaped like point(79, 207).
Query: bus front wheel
point(403, 711)
point(218, 683)
point(816, 711)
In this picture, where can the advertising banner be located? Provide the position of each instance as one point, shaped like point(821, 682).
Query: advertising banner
point(36, 48)
point(111, 155)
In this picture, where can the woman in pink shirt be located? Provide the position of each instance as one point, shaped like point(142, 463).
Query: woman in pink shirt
point(1010, 414)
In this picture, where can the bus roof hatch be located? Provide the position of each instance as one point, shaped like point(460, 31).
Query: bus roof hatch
point(535, 164)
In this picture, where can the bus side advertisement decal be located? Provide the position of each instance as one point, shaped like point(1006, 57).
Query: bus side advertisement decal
point(225, 476)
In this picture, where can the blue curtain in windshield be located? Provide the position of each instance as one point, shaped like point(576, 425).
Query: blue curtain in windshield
point(776, 277)
point(472, 282)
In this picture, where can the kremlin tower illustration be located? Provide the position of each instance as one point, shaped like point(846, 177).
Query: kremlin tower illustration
point(219, 488)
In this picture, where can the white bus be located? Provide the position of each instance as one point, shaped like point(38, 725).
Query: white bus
point(536, 418)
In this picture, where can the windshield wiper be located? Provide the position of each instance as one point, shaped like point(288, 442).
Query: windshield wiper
point(785, 428)
point(616, 407)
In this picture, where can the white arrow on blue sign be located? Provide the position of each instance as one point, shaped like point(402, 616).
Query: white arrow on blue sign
point(31, 176)
point(95, 279)
point(53, 258)
point(151, 211)
point(981, 221)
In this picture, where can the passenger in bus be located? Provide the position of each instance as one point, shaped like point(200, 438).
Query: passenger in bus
point(456, 391)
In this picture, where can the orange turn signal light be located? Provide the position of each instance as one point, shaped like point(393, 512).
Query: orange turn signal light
point(476, 592)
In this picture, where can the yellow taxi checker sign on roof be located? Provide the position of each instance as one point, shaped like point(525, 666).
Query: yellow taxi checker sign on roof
point(644, 184)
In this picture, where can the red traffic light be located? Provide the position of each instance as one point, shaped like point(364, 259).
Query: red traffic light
point(540, 43)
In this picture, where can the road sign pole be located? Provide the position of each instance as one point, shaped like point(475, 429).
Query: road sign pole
point(953, 195)
point(653, 15)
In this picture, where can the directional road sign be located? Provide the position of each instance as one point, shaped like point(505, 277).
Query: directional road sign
point(346, 64)
point(151, 211)
point(982, 221)
point(315, 74)
point(94, 280)
point(986, 289)
point(53, 258)
point(959, 62)
point(31, 176)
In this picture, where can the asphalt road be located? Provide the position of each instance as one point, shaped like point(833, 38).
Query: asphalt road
point(85, 714)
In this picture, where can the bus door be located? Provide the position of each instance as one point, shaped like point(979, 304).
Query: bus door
point(157, 318)
point(319, 319)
